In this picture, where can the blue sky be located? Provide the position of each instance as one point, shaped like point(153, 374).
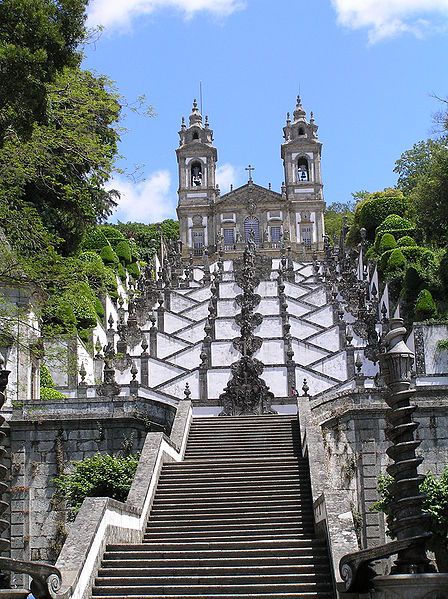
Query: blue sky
point(367, 68)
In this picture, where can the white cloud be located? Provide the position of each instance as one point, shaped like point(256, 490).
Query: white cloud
point(389, 18)
point(120, 13)
point(148, 201)
point(227, 175)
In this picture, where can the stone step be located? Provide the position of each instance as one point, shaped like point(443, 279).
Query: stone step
point(302, 578)
point(225, 548)
point(243, 524)
point(196, 469)
point(233, 595)
point(220, 569)
point(254, 485)
point(232, 564)
point(221, 536)
point(243, 460)
point(227, 515)
point(233, 477)
point(267, 501)
point(213, 589)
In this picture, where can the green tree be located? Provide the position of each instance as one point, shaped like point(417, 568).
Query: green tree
point(147, 237)
point(334, 218)
point(61, 169)
point(38, 38)
point(415, 163)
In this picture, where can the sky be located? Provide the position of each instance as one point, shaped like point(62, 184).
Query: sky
point(369, 69)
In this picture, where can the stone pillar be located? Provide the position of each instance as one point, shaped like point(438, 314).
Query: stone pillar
point(161, 315)
point(144, 363)
point(203, 367)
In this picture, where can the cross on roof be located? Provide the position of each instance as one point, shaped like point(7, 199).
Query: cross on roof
point(250, 168)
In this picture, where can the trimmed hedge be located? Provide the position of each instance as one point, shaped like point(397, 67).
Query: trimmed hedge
point(425, 306)
point(394, 222)
point(123, 252)
point(406, 241)
point(134, 270)
point(108, 255)
point(396, 260)
point(94, 240)
point(46, 380)
point(387, 242)
point(47, 393)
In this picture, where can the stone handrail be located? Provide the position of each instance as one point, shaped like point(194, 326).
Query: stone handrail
point(332, 510)
point(101, 521)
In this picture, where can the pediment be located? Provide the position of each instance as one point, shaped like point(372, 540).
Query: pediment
point(247, 194)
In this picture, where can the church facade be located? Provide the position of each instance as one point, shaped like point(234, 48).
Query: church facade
point(294, 216)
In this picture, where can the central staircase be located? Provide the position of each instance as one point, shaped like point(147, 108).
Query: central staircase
point(234, 519)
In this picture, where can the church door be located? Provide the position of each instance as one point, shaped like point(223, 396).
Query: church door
point(252, 224)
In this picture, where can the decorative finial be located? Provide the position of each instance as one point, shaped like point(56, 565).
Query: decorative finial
point(83, 373)
point(250, 168)
point(305, 388)
point(358, 364)
point(195, 105)
point(111, 321)
point(134, 371)
point(187, 392)
point(299, 101)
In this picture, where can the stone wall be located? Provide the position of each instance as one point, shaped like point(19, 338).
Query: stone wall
point(352, 426)
point(42, 445)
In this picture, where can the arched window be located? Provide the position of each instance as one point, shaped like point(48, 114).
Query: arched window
point(301, 131)
point(303, 173)
point(252, 224)
point(196, 174)
point(195, 135)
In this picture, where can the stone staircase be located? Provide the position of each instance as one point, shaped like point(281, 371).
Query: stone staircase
point(234, 519)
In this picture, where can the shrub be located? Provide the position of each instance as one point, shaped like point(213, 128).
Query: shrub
point(372, 211)
point(134, 270)
point(112, 234)
point(82, 300)
point(394, 222)
point(48, 393)
point(396, 260)
point(99, 309)
point(85, 335)
point(58, 317)
point(121, 272)
point(406, 241)
point(97, 476)
point(425, 306)
point(413, 279)
point(387, 242)
point(123, 252)
point(443, 270)
point(90, 257)
point(108, 255)
point(46, 380)
point(94, 240)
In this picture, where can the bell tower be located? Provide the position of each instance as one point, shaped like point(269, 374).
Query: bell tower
point(196, 158)
point(301, 154)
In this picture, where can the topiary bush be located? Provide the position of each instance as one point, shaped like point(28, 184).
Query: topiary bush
point(406, 241)
point(413, 278)
point(112, 234)
point(123, 252)
point(396, 261)
point(387, 242)
point(108, 255)
point(94, 240)
point(134, 270)
point(46, 380)
point(97, 476)
point(99, 309)
point(393, 223)
point(121, 272)
point(425, 307)
point(49, 394)
point(443, 271)
point(371, 212)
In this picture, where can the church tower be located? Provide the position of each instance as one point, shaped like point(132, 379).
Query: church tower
point(301, 155)
point(196, 158)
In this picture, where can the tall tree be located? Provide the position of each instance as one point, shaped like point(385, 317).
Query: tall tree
point(38, 38)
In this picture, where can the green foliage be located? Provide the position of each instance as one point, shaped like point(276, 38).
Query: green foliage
point(123, 251)
point(396, 260)
point(413, 279)
point(334, 218)
point(387, 242)
point(99, 309)
point(134, 270)
point(371, 211)
point(147, 237)
point(442, 344)
point(49, 394)
point(98, 476)
point(94, 239)
point(415, 163)
point(395, 223)
point(112, 234)
point(425, 307)
point(38, 38)
point(61, 168)
point(108, 255)
point(121, 272)
point(443, 271)
point(46, 380)
point(406, 241)
point(435, 503)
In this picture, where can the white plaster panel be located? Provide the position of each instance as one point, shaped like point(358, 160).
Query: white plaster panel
point(167, 345)
point(317, 297)
point(198, 274)
point(216, 381)
point(269, 306)
point(177, 387)
point(194, 333)
point(201, 294)
point(271, 352)
point(294, 290)
point(316, 383)
point(227, 308)
point(228, 290)
point(226, 328)
point(324, 317)
point(180, 302)
point(301, 329)
point(227, 276)
point(296, 308)
point(305, 354)
point(173, 322)
point(270, 327)
point(436, 360)
point(276, 379)
point(85, 358)
point(189, 358)
point(335, 366)
point(160, 372)
point(198, 312)
point(228, 265)
point(223, 353)
point(267, 289)
point(305, 269)
point(328, 339)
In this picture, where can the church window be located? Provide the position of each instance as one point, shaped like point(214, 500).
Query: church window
point(276, 234)
point(196, 174)
point(252, 224)
point(229, 236)
point(301, 131)
point(306, 234)
point(303, 173)
point(198, 242)
point(195, 135)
